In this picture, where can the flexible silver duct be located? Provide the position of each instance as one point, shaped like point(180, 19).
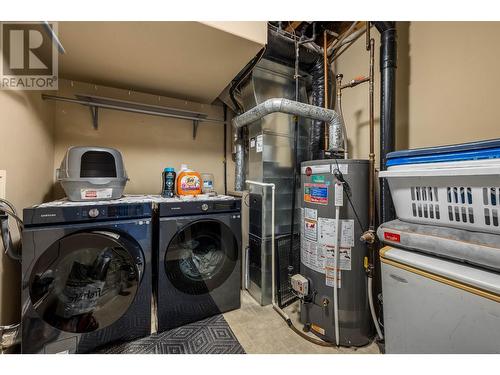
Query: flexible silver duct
point(239, 165)
point(291, 107)
point(9, 336)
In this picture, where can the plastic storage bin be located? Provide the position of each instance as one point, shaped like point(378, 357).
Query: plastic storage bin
point(92, 173)
point(456, 186)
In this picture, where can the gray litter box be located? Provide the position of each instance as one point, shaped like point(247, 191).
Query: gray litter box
point(92, 173)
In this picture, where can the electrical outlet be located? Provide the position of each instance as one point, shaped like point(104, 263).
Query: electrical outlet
point(3, 183)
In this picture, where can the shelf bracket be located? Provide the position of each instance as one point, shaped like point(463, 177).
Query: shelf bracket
point(195, 128)
point(94, 112)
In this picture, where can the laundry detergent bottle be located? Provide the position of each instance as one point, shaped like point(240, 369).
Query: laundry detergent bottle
point(188, 182)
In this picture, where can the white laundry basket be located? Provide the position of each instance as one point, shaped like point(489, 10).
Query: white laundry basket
point(459, 193)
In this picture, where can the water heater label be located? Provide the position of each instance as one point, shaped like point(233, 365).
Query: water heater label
point(316, 193)
point(327, 235)
point(344, 258)
point(318, 179)
point(316, 169)
point(330, 277)
point(343, 168)
point(311, 229)
point(311, 213)
point(312, 255)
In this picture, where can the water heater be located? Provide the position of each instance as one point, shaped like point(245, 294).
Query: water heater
point(326, 186)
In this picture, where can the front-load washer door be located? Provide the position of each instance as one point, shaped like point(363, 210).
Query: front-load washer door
point(201, 256)
point(86, 280)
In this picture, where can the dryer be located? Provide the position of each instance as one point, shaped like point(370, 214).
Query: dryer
point(86, 274)
point(198, 259)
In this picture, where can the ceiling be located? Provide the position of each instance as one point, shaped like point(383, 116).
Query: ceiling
point(187, 60)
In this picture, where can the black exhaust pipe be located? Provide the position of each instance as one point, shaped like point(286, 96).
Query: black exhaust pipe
point(388, 65)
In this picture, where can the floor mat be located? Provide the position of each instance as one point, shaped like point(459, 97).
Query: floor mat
point(209, 336)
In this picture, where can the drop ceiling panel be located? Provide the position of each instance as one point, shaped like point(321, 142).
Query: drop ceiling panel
point(187, 60)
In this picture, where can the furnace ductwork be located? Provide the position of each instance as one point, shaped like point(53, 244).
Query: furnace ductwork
point(291, 107)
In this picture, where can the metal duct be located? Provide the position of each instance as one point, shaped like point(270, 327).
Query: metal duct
point(292, 107)
point(316, 131)
point(9, 336)
point(388, 65)
point(239, 163)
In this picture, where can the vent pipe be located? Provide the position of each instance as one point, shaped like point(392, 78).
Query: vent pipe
point(388, 65)
point(291, 107)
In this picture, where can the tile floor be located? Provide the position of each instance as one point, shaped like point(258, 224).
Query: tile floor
point(260, 330)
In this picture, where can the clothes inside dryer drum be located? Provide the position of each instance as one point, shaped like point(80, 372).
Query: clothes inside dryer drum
point(200, 261)
point(86, 281)
point(201, 256)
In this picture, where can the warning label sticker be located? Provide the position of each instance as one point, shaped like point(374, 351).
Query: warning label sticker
point(313, 255)
point(311, 229)
point(311, 213)
point(327, 235)
point(330, 277)
point(344, 258)
point(259, 143)
point(316, 193)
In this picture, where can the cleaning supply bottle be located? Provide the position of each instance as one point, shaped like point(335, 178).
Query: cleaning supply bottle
point(208, 183)
point(189, 182)
point(168, 188)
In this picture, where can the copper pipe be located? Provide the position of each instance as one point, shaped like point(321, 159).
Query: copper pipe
point(325, 65)
point(354, 82)
point(372, 139)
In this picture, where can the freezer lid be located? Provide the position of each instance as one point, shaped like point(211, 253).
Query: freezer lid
point(481, 249)
point(488, 281)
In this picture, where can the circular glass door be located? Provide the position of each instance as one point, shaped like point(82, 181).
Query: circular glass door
point(86, 281)
point(201, 256)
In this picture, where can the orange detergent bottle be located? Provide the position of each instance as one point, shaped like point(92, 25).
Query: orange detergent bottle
point(188, 182)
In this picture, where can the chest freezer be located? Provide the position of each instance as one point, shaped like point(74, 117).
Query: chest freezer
point(434, 305)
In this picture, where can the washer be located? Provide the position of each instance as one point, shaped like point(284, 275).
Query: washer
point(199, 259)
point(86, 274)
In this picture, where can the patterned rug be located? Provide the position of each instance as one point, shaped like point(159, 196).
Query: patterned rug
point(209, 336)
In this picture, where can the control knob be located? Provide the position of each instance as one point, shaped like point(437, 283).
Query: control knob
point(93, 212)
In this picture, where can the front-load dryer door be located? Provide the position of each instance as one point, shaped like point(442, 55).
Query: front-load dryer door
point(201, 256)
point(86, 280)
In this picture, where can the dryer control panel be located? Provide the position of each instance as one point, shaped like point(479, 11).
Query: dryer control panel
point(176, 208)
point(85, 213)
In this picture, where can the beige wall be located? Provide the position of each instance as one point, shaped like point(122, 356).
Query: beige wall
point(27, 153)
point(355, 101)
point(454, 82)
point(447, 85)
point(148, 143)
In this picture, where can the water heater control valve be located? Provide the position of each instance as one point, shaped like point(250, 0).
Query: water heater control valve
point(301, 285)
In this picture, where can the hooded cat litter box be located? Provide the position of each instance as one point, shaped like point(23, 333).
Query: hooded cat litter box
point(92, 173)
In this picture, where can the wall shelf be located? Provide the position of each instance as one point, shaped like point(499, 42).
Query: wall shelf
point(96, 102)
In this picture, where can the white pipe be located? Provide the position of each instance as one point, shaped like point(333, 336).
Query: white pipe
point(273, 255)
point(335, 276)
point(372, 308)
